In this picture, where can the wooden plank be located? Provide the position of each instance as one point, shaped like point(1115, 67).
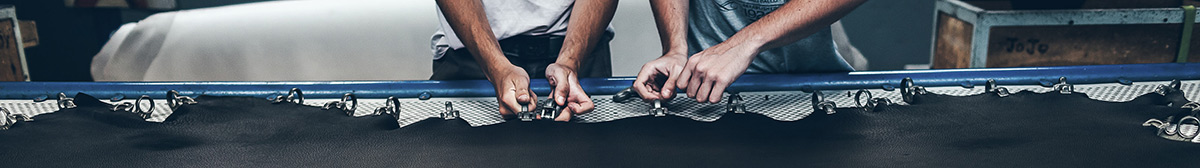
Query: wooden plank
point(29, 35)
point(953, 43)
point(10, 58)
point(1023, 46)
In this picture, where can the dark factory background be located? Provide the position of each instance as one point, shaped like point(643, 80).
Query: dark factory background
point(890, 34)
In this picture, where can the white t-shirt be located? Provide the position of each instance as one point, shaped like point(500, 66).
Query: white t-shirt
point(510, 18)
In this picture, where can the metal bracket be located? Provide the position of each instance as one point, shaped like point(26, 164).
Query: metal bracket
point(625, 95)
point(872, 104)
point(990, 87)
point(343, 105)
point(390, 107)
point(8, 119)
point(450, 113)
point(524, 114)
point(658, 110)
point(1174, 87)
point(820, 104)
point(1063, 87)
point(136, 107)
point(294, 96)
point(549, 109)
point(65, 102)
point(175, 100)
point(909, 90)
point(734, 104)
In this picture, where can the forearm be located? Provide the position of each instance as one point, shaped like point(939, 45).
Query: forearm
point(470, 24)
point(589, 19)
point(671, 18)
point(795, 20)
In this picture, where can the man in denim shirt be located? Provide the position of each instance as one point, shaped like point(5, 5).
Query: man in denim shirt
point(726, 38)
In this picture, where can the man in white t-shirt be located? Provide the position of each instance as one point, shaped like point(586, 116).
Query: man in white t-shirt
point(509, 41)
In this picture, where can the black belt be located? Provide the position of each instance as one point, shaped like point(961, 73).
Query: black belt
point(532, 47)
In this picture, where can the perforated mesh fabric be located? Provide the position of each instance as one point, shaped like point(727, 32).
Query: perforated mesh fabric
point(782, 106)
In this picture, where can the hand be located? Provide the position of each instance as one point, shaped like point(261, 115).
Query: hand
point(656, 80)
point(567, 92)
point(709, 72)
point(512, 89)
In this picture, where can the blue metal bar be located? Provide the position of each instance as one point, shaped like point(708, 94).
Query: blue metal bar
point(605, 86)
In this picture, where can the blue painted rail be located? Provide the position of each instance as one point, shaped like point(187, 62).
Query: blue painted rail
point(604, 86)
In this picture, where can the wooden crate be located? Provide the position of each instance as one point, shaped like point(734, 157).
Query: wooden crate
point(15, 36)
point(977, 34)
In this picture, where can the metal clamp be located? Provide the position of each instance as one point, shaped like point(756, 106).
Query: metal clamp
point(348, 104)
point(450, 113)
point(625, 95)
point(175, 100)
point(658, 110)
point(872, 103)
point(991, 87)
point(294, 96)
point(65, 102)
point(9, 119)
point(1063, 87)
point(1194, 106)
point(525, 114)
point(549, 109)
point(136, 107)
point(1176, 130)
point(390, 107)
point(734, 104)
point(1174, 87)
point(820, 104)
point(909, 90)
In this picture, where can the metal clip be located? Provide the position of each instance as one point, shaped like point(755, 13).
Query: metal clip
point(820, 104)
point(1186, 129)
point(991, 87)
point(65, 102)
point(549, 109)
point(294, 96)
point(175, 100)
point(1174, 87)
point(1063, 87)
point(390, 107)
point(872, 104)
point(658, 110)
point(343, 105)
point(909, 90)
point(1194, 106)
point(450, 113)
point(625, 95)
point(10, 119)
point(734, 104)
point(136, 107)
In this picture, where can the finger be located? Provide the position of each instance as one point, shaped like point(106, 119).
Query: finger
point(694, 85)
point(642, 84)
point(564, 116)
point(702, 93)
point(718, 90)
point(561, 89)
point(668, 89)
point(524, 96)
point(508, 102)
point(686, 74)
point(583, 102)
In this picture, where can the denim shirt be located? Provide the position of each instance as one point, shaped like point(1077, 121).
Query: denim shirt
point(711, 22)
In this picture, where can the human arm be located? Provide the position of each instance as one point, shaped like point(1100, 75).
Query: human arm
point(588, 23)
point(470, 24)
point(709, 72)
point(656, 80)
